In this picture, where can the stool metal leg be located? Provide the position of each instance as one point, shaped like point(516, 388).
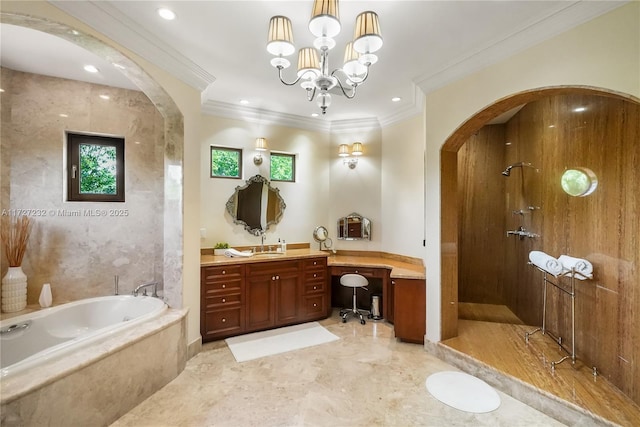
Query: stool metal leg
point(353, 311)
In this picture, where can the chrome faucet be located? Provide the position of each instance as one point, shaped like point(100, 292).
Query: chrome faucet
point(145, 286)
point(262, 237)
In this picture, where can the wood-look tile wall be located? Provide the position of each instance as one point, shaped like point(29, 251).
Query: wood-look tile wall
point(603, 227)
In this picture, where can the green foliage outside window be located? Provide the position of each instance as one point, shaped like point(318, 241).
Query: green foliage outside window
point(282, 167)
point(226, 162)
point(97, 169)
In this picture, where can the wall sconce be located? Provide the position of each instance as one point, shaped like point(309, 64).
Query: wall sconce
point(261, 145)
point(350, 159)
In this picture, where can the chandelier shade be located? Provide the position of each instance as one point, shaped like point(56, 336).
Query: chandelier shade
point(366, 35)
point(325, 19)
point(280, 40)
point(308, 62)
point(313, 72)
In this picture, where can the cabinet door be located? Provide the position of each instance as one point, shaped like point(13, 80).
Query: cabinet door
point(260, 301)
point(409, 309)
point(287, 291)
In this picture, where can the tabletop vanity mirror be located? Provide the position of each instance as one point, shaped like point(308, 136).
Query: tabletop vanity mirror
point(256, 205)
point(321, 235)
point(354, 227)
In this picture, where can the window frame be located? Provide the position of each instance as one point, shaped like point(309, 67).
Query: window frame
point(74, 140)
point(293, 165)
point(217, 147)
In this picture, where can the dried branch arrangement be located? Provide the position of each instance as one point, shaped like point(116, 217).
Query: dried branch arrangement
point(14, 232)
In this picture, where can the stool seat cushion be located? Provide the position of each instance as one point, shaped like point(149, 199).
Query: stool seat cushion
point(353, 281)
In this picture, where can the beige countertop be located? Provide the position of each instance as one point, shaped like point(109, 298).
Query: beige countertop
point(399, 269)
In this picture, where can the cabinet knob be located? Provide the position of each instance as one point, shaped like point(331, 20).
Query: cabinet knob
point(224, 300)
point(278, 277)
point(273, 277)
point(356, 271)
point(224, 271)
point(315, 287)
point(393, 282)
point(315, 305)
point(224, 286)
point(315, 275)
point(315, 262)
point(224, 320)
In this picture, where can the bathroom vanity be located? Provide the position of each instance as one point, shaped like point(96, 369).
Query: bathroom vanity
point(242, 295)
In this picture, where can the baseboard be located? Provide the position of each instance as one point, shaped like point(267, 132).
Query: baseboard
point(194, 347)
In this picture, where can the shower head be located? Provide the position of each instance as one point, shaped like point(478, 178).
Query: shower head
point(507, 171)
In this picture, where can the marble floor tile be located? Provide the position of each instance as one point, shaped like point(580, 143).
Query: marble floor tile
point(367, 378)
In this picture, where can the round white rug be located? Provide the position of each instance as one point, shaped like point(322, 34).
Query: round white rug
point(463, 391)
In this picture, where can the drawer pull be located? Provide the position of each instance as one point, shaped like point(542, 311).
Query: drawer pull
point(224, 320)
point(273, 277)
point(315, 305)
point(224, 300)
point(315, 287)
point(224, 286)
point(315, 275)
point(315, 262)
point(224, 271)
point(356, 271)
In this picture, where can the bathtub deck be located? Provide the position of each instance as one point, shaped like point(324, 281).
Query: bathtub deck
point(531, 364)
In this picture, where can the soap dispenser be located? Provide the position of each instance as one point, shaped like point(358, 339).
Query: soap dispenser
point(283, 247)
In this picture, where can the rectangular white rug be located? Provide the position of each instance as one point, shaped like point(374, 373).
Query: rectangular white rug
point(275, 341)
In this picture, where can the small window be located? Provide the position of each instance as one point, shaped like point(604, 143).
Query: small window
point(283, 167)
point(226, 162)
point(95, 168)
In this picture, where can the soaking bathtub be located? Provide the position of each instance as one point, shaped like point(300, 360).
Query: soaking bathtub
point(37, 338)
point(89, 361)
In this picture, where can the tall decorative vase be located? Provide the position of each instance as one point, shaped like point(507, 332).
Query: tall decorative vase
point(14, 290)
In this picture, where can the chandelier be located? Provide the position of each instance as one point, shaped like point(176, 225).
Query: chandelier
point(313, 69)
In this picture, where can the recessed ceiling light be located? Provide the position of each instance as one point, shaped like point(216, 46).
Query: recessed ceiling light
point(105, 97)
point(314, 114)
point(244, 102)
point(90, 69)
point(579, 109)
point(167, 14)
point(136, 142)
point(63, 115)
point(396, 99)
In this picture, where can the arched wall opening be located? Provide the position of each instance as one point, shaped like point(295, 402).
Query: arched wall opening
point(587, 227)
point(171, 224)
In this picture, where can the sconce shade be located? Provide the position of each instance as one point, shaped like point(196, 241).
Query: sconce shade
point(325, 18)
point(261, 144)
point(308, 62)
point(366, 35)
point(280, 40)
point(356, 149)
point(343, 150)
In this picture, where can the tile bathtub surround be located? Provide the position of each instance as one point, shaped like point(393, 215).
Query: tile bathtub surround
point(366, 378)
point(80, 255)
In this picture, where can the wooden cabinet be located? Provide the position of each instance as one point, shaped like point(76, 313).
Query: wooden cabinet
point(409, 297)
point(221, 301)
point(315, 288)
point(272, 294)
point(241, 298)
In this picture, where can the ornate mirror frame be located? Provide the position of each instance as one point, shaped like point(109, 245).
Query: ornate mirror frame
point(256, 205)
point(354, 227)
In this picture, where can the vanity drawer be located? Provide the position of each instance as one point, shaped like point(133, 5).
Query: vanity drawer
point(272, 267)
point(314, 306)
point(314, 276)
point(222, 300)
point(227, 285)
point(221, 273)
point(314, 288)
point(364, 271)
point(222, 322)
point(315, 264)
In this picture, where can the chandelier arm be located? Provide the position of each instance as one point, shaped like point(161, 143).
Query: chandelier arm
point(344, 92)
point(280, 68)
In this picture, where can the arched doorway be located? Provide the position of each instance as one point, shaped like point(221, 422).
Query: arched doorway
point(589, 227)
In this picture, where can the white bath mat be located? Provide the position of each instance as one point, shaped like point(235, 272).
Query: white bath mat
point(281, 340)
point(463, 391)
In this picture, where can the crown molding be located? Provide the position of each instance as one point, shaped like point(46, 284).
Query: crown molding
point(533, 33)
point(109, 21)
point(415, 107)
point(257, 115)
point(360, 125)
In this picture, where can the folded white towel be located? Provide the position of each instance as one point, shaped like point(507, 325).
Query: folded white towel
point(236, 253)
point(545, 262)
point(580, 265)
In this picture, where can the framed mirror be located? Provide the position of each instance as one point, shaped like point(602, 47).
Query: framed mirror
point(354, 227)
point(256, 205)
point(321, 235)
